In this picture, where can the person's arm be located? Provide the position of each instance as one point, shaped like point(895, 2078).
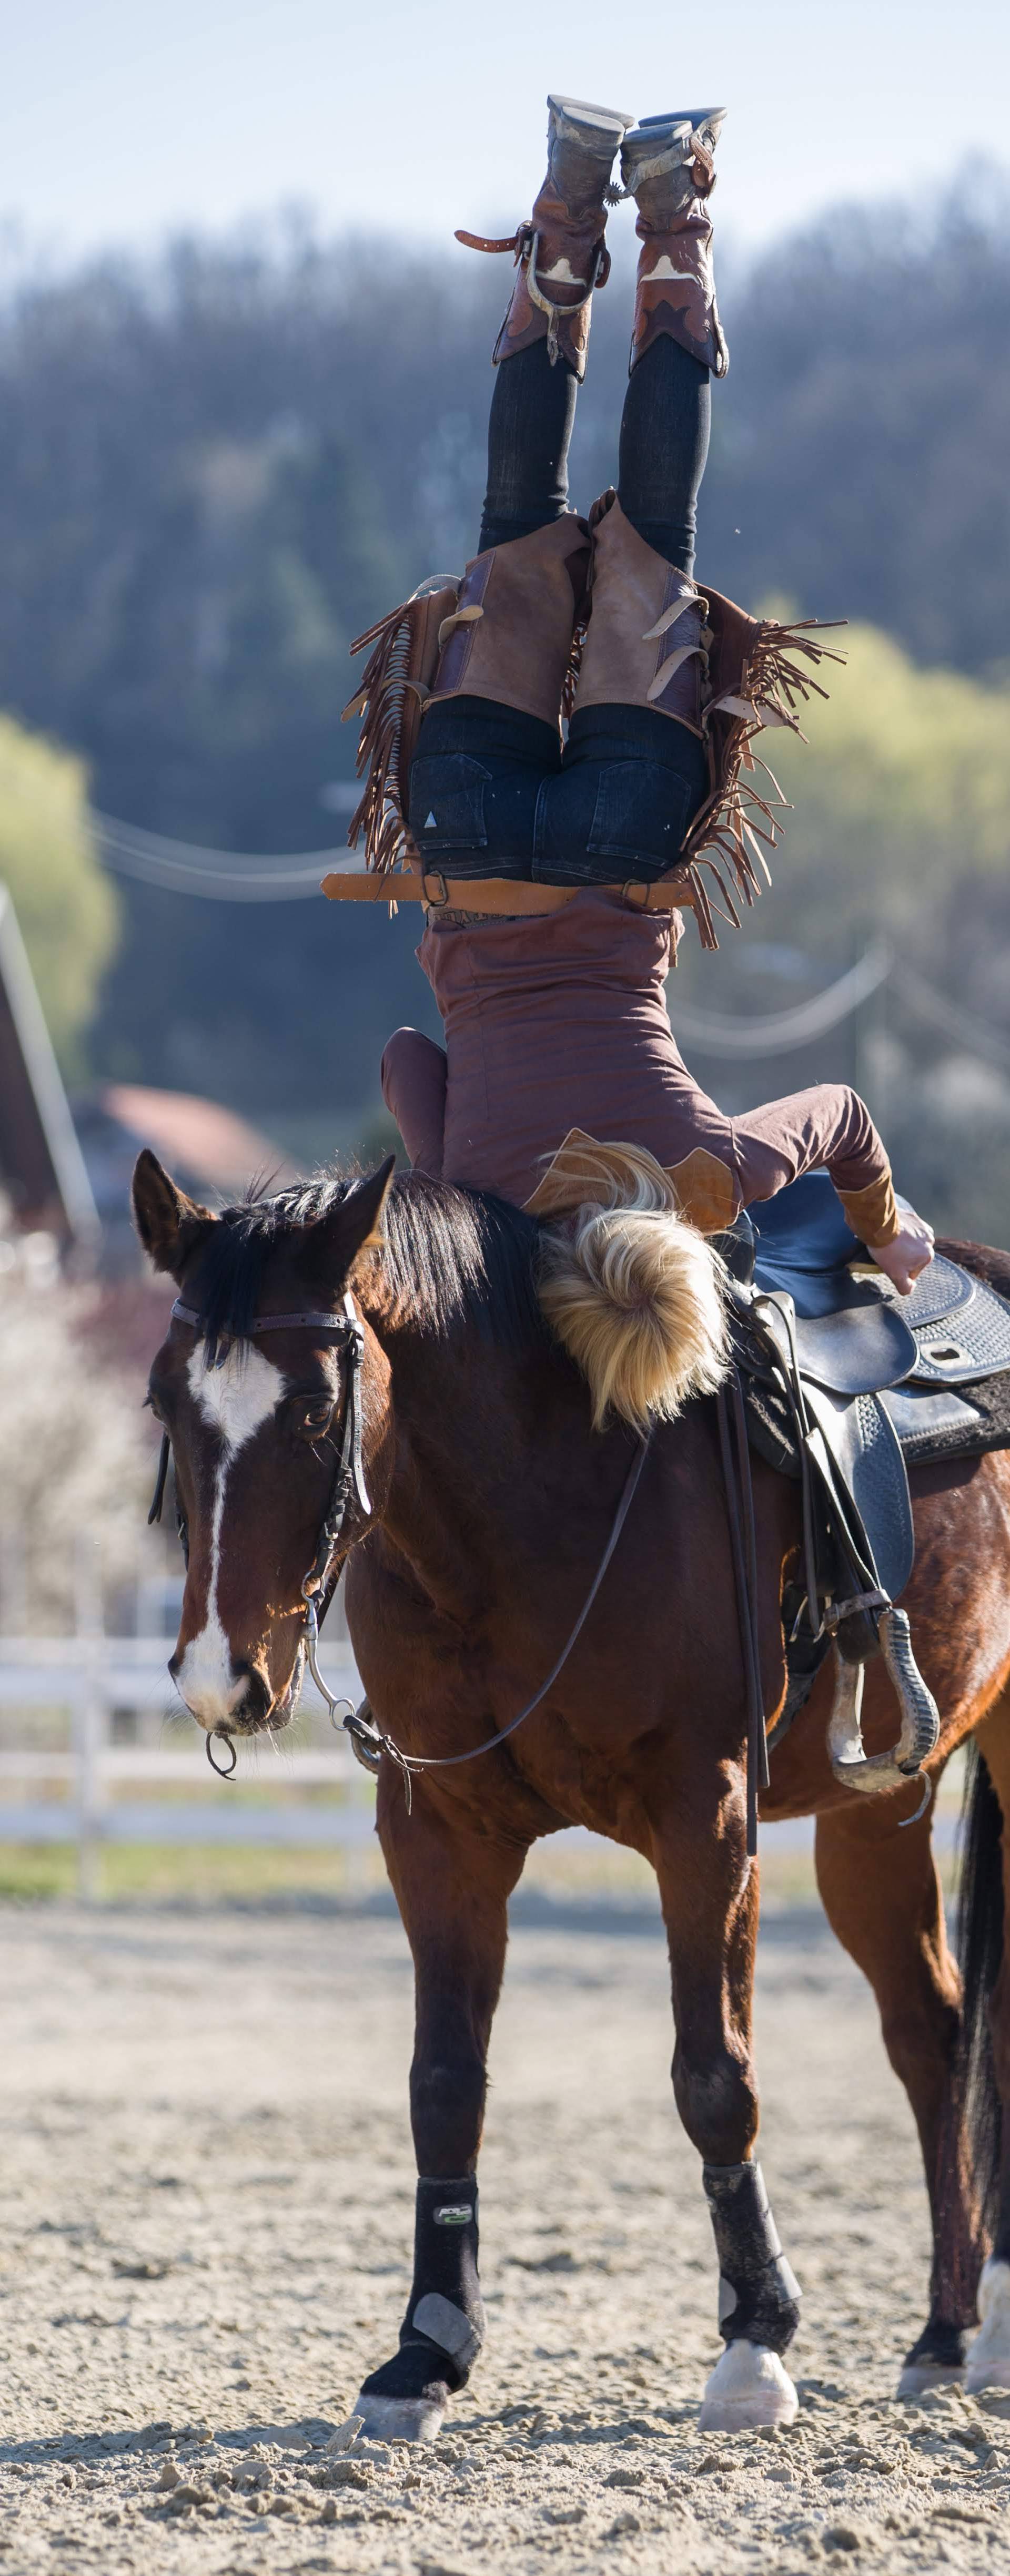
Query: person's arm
point(830, 1128)
point(900, 1242)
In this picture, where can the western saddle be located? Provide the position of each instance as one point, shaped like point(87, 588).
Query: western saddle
point(843, 1383)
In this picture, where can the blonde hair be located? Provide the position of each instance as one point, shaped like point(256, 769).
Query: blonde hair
point(633, 1293)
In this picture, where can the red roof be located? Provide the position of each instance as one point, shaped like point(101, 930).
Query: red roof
point(218, 1149)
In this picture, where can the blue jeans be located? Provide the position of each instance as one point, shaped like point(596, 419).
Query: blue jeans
point(492, 794)
point(663, 448)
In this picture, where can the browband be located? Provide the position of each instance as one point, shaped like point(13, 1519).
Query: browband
point(281, 1323)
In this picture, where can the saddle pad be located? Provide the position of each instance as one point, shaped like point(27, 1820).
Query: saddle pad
point(927, 1424)
point(934, 1423)
point(931, 1423)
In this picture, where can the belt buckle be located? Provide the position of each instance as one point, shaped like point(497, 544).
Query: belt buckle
point(437, 902)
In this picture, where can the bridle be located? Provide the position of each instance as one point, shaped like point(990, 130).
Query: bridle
point(368, 1741)
point(349, 1476)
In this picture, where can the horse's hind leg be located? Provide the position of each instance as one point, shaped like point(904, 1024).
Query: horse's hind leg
point(709, 1894)
point(985, 1915)
point(452, 1889)
point(882, 1897)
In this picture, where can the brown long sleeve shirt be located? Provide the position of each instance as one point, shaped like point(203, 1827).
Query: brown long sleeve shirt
point(561, 1022)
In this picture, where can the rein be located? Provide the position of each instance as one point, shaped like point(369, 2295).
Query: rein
point(370, 1742)
point(736, 1476)
point(373, 1741)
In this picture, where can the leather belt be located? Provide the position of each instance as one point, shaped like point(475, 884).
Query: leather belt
point(515, 895)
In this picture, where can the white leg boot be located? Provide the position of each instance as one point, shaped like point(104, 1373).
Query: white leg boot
point(748, 2387)
point(989, 2358)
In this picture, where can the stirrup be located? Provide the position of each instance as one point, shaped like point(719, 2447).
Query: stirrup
point(920, 1718)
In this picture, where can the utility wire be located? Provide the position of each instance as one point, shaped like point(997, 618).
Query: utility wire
point(225, 876)
point(975, 1036)
point(219, 876)
point(777, 1031)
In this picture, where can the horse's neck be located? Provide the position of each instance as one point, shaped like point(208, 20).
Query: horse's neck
point(454, 1423)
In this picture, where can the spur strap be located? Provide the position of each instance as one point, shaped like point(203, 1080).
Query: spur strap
point(483, 241)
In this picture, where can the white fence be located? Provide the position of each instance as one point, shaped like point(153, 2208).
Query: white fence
point(90, 1791)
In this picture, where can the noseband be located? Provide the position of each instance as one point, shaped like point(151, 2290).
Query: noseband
point(349, 1476)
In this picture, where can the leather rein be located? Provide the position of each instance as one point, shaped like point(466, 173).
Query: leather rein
point(368, 1741)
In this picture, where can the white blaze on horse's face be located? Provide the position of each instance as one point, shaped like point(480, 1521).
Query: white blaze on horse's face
point(234, 1400)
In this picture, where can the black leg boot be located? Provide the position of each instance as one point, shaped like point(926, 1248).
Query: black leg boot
point(443, 2329)
point(759, 2307)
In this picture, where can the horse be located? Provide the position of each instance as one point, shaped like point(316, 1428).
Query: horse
point(507, 1558)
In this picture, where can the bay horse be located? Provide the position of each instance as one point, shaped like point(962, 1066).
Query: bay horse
point(472, 1532)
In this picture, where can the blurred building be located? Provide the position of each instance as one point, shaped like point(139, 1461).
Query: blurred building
point(213, 1155)
point(65, 1175)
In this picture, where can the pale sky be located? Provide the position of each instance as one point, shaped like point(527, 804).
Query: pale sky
point(119, 119)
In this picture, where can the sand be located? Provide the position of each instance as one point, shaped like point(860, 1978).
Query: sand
point(206, 2197)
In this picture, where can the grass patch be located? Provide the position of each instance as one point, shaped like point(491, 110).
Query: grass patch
point(32, 1871)
point(180, 1873)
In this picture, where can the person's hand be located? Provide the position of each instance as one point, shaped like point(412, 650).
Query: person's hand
point(907, 1254)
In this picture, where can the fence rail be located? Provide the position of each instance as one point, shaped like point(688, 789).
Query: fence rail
point(95, 1679)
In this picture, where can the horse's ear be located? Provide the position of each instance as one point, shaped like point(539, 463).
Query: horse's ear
point(354, 1225)
point(168, 1222)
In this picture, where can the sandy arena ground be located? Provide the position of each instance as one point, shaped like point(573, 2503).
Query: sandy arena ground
point(206, 2202)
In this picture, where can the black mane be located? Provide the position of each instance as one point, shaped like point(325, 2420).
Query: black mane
point(450, 1255)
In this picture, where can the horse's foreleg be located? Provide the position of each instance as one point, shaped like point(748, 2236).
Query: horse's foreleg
point(709, 1894)
point(452, 1889)
point(882, 1897)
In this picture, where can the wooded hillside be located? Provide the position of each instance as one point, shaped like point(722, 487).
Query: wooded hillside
point(213, 472)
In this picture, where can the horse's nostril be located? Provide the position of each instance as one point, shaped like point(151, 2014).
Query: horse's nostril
point(256, 1697)
point(174, 1662)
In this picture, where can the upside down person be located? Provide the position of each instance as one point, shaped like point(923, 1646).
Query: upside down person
point(556, 1024)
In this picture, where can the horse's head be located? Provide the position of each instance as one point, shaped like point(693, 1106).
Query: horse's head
point(255, 1407)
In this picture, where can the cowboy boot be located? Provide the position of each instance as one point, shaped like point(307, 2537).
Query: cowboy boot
point(646, 641)
point(667, 165)
point(560, 253)
point(509, 637)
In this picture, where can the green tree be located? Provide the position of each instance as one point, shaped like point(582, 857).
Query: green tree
point(901, 797)
point(65, 906)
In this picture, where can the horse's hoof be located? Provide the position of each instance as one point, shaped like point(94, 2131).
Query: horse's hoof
point(399, 2419)
point(989, 2357)
point(748, 2387)
point(918, 2377)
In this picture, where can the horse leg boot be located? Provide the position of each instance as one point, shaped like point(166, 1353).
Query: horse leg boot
point(711, 1925)
point(452, 1892)
point(560, 252)
point(880, 1890)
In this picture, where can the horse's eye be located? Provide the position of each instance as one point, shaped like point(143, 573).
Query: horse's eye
point(316, 1417)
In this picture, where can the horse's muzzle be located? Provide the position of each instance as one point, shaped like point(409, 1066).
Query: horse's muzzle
point(246, 1706)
